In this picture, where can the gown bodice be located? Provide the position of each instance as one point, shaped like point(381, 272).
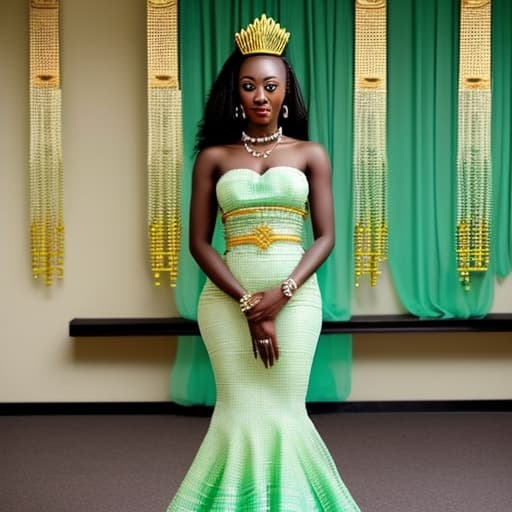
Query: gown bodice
point(262, 208)
point(278, 186)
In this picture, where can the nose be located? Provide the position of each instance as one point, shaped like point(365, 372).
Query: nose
point(260, 97)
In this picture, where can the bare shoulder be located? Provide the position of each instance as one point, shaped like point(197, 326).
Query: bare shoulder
point(210, 156)
point(208, 161)
point(315, 156)
point(316, 151)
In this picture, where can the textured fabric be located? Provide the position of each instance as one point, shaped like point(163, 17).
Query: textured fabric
point(321, 52)
point(261, 452)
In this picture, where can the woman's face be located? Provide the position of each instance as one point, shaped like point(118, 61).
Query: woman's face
point(262, 88)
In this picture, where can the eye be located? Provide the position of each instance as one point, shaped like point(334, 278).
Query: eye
point(247, 86)
point(271, 87)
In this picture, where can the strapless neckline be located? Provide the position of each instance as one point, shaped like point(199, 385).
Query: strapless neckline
point(263, 174)
point(279, 185)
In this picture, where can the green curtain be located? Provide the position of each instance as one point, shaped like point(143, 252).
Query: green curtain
point(502, 134)
point(422, 149)
point(320, 50)
point(422, 146)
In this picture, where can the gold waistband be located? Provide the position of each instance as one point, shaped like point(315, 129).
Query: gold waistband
point(263, 237)
point(262, 209)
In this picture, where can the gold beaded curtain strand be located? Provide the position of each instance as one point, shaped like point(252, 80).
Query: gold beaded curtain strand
point(45, 160)
point(164, 139)
point(370, 158)
point(474, 173)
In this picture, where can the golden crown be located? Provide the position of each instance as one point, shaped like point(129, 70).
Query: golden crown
point(264, 35)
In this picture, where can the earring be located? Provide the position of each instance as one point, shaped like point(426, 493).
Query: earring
point(239, 112)
point(285, 111)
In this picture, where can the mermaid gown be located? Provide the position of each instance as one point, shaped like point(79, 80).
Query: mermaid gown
point(261, 451)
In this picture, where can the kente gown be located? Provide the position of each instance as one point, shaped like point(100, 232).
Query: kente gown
point(261, 451)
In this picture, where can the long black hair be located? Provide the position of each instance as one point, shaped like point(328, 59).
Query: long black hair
point(220, 125)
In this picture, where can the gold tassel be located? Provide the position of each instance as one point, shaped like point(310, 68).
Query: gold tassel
point(46, 172)
point(369, 159)
point(165, 139)
point(474, 172)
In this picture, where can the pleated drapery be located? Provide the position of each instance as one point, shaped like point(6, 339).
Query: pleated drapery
point(422, 147)
point(501, 134)
point(422, 88)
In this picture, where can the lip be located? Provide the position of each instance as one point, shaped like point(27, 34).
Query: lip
point(261, 111)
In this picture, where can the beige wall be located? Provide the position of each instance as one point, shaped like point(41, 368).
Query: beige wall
point(104, 144)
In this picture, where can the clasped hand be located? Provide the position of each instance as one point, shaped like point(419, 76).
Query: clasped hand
point(261, 318)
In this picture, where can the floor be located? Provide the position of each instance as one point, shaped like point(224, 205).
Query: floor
point(391, 462)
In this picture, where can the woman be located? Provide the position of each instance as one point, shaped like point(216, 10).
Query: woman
point(260, 311)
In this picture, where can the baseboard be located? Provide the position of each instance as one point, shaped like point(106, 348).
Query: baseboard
point(64, 408)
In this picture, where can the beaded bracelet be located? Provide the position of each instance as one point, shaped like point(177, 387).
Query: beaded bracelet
point(245, 302)
point(289, 287)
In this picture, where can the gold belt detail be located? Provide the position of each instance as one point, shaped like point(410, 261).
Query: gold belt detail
point(262, 209)
point(263, 237)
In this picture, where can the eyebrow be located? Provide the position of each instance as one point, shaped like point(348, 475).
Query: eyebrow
point(272, 77)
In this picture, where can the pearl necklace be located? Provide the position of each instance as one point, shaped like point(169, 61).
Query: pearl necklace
point(262, 140)
point(276, 136)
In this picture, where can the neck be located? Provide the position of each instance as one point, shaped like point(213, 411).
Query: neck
point(261, 131)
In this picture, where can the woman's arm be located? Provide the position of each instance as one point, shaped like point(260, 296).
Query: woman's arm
point(262, 316)
point(203, 215)
point(321, 211)
point(322, 218)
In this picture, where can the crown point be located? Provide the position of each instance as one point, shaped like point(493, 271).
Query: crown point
point(264, 35)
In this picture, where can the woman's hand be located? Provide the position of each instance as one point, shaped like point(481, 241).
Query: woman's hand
point(261, 318)
point(267, 305)
point(264, 342)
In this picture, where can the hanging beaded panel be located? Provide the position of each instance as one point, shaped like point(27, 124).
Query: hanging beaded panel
point(165, 139)
point(45, 168)
point(474, 173)
point(369, 158)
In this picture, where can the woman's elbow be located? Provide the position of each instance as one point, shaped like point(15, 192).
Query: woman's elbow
point(330, 243)
point(195, 248)
point(325, 243)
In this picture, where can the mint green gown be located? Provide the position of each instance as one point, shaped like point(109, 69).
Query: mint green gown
point(261, 451)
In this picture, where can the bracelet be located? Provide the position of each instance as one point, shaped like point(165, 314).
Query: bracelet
point(245, 302)
point(289, 287)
